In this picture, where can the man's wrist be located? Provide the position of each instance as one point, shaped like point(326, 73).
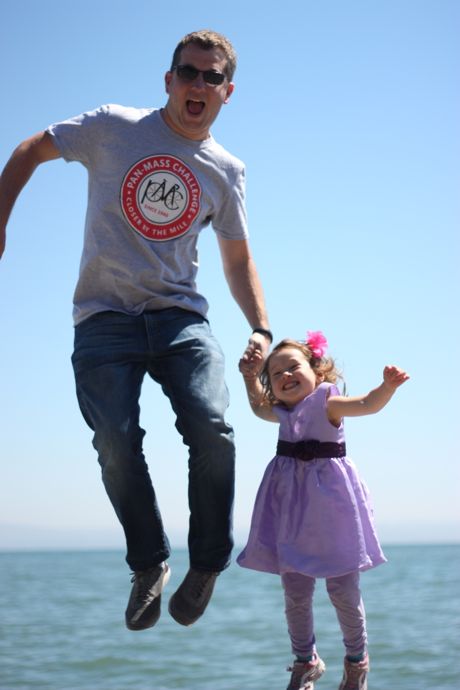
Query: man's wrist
point(265, 332)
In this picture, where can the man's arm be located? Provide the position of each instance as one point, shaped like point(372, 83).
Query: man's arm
point(246, 288)
point(25, 158)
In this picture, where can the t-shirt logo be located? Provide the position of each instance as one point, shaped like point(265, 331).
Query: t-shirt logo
point(160, 197)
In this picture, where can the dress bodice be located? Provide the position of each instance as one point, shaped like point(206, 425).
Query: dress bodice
point(308, 419)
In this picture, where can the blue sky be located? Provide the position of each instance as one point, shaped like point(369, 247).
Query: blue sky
point(346, 115)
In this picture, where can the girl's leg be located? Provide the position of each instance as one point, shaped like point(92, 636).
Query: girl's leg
point(345, 594)
point(298, 596)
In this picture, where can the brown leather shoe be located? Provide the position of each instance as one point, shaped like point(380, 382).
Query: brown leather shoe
point(189, 602)
point(144, 603)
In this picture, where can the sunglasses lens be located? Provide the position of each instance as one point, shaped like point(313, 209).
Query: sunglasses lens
point(187, 72)
point(213, 77)
point(190, 73)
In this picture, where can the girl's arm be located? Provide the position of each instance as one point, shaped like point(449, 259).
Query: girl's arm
point(339, 406)
point(250, 367)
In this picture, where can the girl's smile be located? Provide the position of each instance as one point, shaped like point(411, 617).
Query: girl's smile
point(291, 376)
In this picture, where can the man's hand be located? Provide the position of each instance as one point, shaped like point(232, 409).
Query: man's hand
point(254, 356)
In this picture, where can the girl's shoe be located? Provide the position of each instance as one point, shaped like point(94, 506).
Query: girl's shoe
point(355, 674)
point(304, 674)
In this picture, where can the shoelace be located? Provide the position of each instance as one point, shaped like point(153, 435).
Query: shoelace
point(354, 674)
point(298, 671)
point(143, 582)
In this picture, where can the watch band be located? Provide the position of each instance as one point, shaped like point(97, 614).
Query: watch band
point(264, 331)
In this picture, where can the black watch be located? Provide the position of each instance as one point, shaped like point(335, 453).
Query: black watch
point(264, 331)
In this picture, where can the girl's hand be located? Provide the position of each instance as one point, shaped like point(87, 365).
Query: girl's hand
point(394, 376)
point(251, 363)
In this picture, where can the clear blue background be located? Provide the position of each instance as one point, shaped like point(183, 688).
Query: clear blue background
point(347, 116)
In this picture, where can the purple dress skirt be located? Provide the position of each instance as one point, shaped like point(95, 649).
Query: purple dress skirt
point(312, 517)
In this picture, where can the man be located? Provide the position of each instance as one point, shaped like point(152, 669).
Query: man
point(156, 179)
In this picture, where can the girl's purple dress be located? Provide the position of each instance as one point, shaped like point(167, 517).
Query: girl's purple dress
point(312, 517)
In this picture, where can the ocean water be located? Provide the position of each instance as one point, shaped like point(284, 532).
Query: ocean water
point(62, 627)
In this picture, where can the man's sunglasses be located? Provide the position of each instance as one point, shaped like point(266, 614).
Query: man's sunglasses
point(189, 73)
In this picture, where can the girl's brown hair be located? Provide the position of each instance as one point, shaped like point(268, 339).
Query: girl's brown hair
point(324, 366)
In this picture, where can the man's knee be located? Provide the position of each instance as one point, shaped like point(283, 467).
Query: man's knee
point(119, 447)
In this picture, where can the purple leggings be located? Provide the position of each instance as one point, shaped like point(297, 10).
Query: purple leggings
point(345, 595)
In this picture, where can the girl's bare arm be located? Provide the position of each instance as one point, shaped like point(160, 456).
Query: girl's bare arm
point(250, 367)
point(339, 406)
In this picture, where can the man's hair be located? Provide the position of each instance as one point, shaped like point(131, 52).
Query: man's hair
point(207, 40)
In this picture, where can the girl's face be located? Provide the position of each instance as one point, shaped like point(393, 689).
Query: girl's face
point(291, 376)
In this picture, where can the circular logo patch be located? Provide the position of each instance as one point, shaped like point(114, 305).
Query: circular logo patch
point(160, 197)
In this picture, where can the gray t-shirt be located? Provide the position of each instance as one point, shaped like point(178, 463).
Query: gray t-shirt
point(150, 193)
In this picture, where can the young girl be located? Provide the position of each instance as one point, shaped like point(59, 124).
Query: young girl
point(312, 515)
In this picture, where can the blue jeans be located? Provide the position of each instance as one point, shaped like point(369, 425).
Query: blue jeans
point(112, 354)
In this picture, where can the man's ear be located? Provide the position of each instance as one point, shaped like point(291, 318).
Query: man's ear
point(230, 90)
point(168, 77)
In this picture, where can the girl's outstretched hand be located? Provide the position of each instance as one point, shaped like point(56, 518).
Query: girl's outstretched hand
point(394, 376)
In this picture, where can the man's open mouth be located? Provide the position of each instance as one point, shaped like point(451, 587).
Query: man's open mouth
point(195, 107)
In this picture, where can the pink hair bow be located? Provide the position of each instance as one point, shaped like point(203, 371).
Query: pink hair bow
point(317, 343)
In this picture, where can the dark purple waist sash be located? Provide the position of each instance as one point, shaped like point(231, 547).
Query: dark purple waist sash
point(308, 450)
